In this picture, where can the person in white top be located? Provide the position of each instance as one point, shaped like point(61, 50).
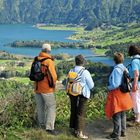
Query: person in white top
point(78, 103)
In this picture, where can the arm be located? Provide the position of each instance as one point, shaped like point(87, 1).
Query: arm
point(135, 69)
point(136, 76)
point(89, 80)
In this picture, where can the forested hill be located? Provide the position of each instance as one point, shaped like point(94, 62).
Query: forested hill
point(87, 12)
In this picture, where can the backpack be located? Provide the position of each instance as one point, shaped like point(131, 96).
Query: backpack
point(125, 86)
point(73, 84)
point(36, 73)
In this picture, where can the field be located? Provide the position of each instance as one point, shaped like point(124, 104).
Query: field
point(105, 38)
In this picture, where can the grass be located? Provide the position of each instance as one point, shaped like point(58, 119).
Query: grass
point(22, 69)
point(21, 79)
point(5, 61)
point(99, 51)
point(62, 28)
point(37, 134)
point(110, 36)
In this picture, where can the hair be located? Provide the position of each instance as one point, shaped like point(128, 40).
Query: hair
point(133, 50)
point(118, 58)
point(79, 60)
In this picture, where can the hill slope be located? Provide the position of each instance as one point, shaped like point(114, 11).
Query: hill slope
point(89, 12)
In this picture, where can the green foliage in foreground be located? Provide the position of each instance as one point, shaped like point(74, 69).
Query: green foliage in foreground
point(18, 119)
point(35, 134)
point(17, 106)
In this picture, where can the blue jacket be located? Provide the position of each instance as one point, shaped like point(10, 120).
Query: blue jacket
point(116, 76)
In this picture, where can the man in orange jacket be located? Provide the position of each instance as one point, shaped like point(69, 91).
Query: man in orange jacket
point(44, 94)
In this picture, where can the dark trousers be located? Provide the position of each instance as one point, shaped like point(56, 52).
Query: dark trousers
point(119, 121)
point(78, 110)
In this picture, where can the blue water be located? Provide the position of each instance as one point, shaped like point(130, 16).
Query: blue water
point(10, 33)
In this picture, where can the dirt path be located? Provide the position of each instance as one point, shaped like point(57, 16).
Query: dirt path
point(99, 129)
point(102, 128)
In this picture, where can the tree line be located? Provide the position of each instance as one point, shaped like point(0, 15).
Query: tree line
point(86, 12)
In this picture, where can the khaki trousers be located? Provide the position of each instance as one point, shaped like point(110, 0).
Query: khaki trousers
point(46, 110)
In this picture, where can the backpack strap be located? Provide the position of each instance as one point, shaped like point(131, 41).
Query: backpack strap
point(131, 62)
point(80, 72)
point(41, 60)
point(135, 58)
point(121, 68)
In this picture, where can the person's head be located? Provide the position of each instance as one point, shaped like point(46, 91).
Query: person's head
point(79, 60)
point(118, 58)
point(133, 50)
point(46, 48)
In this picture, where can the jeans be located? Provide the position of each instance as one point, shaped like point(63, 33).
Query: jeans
point(119, 121)
point(78, 109)
point(46, 110)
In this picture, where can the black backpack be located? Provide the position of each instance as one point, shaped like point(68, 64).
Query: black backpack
point(36, 73)
point(125, 82)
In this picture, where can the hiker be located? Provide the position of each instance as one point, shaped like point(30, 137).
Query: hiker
point(134, 52)
point(45, 98)
point(117, 102)
point(78, 102)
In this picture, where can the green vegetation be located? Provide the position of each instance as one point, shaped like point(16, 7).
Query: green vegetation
point(90, 13)
point(99, 51)
point(61, 27)
point(111, 39)
point(104, 37)
point(21, 79)
point(17, 104)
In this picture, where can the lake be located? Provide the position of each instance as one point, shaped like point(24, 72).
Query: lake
point(13, 32)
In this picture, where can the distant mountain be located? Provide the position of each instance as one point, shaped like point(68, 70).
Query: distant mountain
point(86, 12)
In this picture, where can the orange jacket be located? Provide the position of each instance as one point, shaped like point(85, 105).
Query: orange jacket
point(42, 86)
point(117, 102)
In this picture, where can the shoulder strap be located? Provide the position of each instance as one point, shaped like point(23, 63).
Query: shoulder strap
point(129, 65)
point(81, 71)
point(41, 60)
point(121, 68)
point(135, 58)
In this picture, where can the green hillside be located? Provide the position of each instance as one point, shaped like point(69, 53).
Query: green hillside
point(84, 12)
point(113, 37)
